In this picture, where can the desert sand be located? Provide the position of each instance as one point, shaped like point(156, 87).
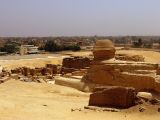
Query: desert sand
point(28, 101)
point(39, 101)
point(150, 56)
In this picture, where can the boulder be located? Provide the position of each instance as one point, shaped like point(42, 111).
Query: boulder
point(145, 95)
point(117, 97)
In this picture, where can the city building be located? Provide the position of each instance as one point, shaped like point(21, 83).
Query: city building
point(28, 49)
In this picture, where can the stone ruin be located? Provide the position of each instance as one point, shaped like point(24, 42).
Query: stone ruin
point(71, 66)
point(40, 75)
point(117, 97)
point(114, 82)
point(49, 69)
point(125, 57)
point(107, 71)
point(75, 65)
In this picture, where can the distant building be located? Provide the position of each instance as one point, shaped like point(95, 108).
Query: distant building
point(3, 53)
point(28, 49)
point(156, 46)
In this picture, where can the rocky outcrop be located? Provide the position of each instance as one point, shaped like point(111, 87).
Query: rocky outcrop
point(117, 97)
point(103, 50)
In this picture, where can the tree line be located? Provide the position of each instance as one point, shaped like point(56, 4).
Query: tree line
point(49, 46)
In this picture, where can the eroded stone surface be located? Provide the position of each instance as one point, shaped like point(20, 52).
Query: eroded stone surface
point(118, 97)
point(103, 50)
point(106, 71)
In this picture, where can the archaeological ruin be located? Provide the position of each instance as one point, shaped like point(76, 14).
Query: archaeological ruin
point(112, 79)
point(107, 71)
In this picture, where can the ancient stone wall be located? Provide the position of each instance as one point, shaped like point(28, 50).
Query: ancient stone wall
point(49, 69)
point(72, 64)
point(135, 58)
point(118, 97)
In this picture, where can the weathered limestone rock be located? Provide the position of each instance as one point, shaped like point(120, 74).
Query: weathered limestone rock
point(118, 97)
point(32, 72)
point(116, 75)
point(14, 76)
point(65, 70)
point(103, 50)
point(16, 71)
point(53, 67)
point(158, 70)
point(1, 68)
point(76, 62)
point(73, 64)
point(25, 71)
point(157, 86)
point(124, 57)
point(48, 69)
point(105, 72)
point(145, 95)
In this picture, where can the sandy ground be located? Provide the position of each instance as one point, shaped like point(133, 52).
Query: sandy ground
point(39, 60)
point(150, 56)
point(33, 101)
point(32, 61)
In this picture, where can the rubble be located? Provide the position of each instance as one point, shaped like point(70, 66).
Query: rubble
point(145, 95)
point(49, 69)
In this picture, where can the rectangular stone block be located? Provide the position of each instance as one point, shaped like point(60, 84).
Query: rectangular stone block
point(117, 97)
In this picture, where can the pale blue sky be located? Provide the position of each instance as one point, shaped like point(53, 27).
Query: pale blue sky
point(79, 17)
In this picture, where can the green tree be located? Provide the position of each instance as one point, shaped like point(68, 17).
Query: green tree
point(72, 47)
point(10, 48)
point(51, 46)
point(138, 43)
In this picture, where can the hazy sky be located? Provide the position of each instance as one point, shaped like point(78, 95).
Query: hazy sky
point(79, 17)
